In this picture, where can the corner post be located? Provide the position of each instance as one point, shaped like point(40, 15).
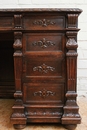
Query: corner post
point(71, 116)
point(18, 117)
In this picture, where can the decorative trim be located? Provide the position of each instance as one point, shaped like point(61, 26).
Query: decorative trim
point(19, 115)
point(71, 45)
point(43, 22)
point(43, 113)
point(71, 115)
point(43, 68)
point(71, 53)
point(43, 43)
point(44, 93)
point(17, 43)
point(71, 34)
point(18, 21)
point(76, 10)
point(71, 42)
point(18, 53)
point(72, 20)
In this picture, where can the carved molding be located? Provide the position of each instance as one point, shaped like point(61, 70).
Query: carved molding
point(44, 22)
point(71, 115)
point(71, 34)
point(18, 94)
point(71, 54)
point(72, 20)
point(43, 68)
point(71, 108)
point(71, 96)
point(18, 21)
point(43, 113)
point(71, 44)
point(76, 10)
point(43, 43)
point(18, 54)
point(71, 75)
point(44, 93)
point(19, 115)
point(17, 44)
point(17, 35)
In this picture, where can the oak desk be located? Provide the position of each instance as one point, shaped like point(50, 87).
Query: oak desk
point(44, 70)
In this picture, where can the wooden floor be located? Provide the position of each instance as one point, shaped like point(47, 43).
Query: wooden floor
point(5, 113)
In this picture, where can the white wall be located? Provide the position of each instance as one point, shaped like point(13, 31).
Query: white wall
point(82, 35)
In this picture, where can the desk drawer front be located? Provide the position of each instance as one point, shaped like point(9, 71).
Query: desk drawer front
point(42, 93)
point(44, 22)
point(43, 42)
point(6, 23)
point(42, 64)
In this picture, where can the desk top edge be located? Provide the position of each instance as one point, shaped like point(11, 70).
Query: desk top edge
point(71, 10)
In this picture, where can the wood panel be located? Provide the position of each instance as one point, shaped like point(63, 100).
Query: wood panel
point(44, 22)
point(42, 94)
point(6, 23)
point(43, 42)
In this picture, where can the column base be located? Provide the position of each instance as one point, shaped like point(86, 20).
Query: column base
point(72, 121)
point(70, 127)
point(19, 123)
point(16, 126)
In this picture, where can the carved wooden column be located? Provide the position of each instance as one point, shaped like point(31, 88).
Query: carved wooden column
point(18, 117)
point(71, 116)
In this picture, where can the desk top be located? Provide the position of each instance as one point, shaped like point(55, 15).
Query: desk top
point(71, 10)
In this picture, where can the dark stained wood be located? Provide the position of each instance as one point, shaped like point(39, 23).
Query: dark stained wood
point(45, 64)
point(44, 22)
point(43, 42)
point(27, 10)
point(37, 94)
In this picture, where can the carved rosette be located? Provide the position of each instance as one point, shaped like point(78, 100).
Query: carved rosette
point(43, 43)
point(44, 93)
point(43, 68)
point(44, 22)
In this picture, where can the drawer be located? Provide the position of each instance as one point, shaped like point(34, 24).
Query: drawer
point(43, 111)
point(43, 93)
point(43, 42)
point(38, 114)
point(43, 64)
point(44, 22)
point(6, 23)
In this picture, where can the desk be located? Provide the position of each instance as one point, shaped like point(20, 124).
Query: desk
point(45, 64)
